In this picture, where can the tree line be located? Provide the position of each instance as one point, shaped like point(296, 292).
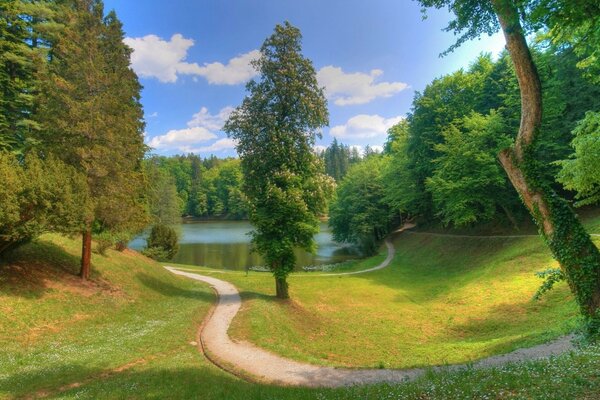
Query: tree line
point(440, 163)
point(187, 185)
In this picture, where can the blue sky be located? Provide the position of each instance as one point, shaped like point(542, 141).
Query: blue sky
point(192, 58)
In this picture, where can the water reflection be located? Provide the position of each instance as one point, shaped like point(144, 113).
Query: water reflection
point(226, 245)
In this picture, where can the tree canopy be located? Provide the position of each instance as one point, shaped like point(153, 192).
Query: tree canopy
point(275, 129)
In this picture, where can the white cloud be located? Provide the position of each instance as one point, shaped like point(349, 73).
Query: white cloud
point(219, 145)
point(164, 60)
point(180, 138)
point(319, 148)
point(154, 57)
point(209, 121)
point(202, 128)
point(238, 70)
point(355, 88)
point(364, 126)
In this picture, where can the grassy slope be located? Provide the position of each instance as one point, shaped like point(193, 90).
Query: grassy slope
point(128, 334)
point(443, 300)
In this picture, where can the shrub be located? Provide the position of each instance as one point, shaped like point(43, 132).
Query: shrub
point(163, 243)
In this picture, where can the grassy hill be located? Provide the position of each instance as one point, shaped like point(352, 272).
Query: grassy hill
point(131, 331)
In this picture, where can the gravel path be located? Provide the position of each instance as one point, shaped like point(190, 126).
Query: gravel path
point(254, 363)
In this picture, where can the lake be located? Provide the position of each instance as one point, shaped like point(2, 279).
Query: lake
point(226, 245)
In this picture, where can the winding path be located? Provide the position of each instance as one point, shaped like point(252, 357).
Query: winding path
point(256, 364)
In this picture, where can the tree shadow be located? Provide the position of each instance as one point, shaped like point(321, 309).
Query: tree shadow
point(248, 295)
point(169, 290)
point(28, 270)
point(203, 381)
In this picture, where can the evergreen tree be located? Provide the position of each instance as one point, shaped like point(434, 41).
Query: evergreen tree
point(275, 128)
point(22, 55)
point(93, 119)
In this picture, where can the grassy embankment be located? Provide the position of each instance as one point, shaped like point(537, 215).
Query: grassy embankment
point(442, 300)
point(129, 333)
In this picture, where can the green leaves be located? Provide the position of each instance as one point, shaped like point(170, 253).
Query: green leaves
point(359, 214)
point(581, 172)
point(468, 180)
point(39, 196)
point(275, 129)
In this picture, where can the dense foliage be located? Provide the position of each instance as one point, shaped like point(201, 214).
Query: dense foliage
point(582, 172)
point(210, 188)
point(70, 105)
point(162, 243)
point(38, 196)
point(360, 213)
point(275, 129)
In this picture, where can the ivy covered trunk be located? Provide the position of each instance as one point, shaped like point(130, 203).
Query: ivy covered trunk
point(281, 288)
point(570, 244)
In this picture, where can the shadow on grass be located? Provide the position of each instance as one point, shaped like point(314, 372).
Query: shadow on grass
point(27, 271)
point(169, 290)
point(201, 382)
point(247, 295)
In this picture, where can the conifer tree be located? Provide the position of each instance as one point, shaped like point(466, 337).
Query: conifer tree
point(275, 128)
point(93, 119)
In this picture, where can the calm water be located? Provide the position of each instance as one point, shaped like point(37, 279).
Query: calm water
point(226, 245)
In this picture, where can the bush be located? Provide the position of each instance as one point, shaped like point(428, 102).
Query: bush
point(162, 244)
point(39, 195)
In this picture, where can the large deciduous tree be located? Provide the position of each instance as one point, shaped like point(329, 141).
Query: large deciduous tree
point(275, 130)
point(92, 119)
point(570, 244)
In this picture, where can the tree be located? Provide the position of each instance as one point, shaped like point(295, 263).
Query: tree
point(23, 26)
point(401, 189)
point(162, 243)
point(570, 244)
point(275, 129)
point(92, 119)
point(359, 214)
point(38, 196)
point(163, 202)
point(575, 23)
point(468, 184)
point(581, 172)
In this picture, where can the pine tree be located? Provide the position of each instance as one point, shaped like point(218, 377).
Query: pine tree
point(22, 54)
point(93, 119)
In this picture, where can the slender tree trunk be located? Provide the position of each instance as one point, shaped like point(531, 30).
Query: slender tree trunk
point(570, 243)
point(510, 216)
point(86, 254)
point(281, 288)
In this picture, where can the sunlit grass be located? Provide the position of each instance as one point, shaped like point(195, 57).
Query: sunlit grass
point(131, 333)
point(442, 301)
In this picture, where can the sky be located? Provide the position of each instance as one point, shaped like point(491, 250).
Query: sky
point(193, 57)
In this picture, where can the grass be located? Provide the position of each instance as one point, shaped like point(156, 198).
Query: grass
point(442, 300)
point(129, 333)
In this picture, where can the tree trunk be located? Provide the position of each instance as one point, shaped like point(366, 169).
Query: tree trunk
point(571, 245)
point(510, 217)
point(281, 288)
point(86, 254)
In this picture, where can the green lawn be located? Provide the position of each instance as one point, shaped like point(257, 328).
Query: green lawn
point(130, 332)
point(442, 300)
